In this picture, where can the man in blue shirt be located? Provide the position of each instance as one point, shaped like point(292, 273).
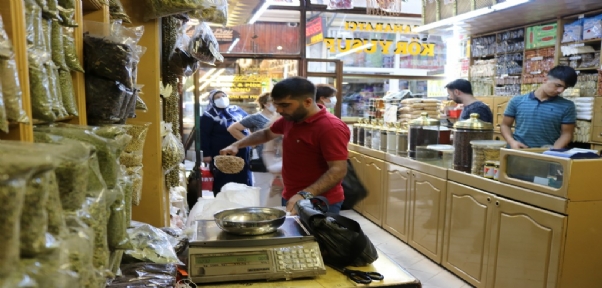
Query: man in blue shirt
point(542, 117)
point(460, 91)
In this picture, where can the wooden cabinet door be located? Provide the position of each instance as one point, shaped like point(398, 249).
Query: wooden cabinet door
point(525, 248)
point(357, 161)
point(396, 202)
point(373, 204)
point(499, 107)
point(427, 212)
point(466, 235)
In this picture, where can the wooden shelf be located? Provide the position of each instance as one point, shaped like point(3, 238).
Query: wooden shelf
point(64, 119)
point(598, 41)
point(586, 69)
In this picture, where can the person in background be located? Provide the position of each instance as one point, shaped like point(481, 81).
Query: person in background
point(272, 158)
point(460, 91)
point(314, 145)
point(542, 117)
point(215, 121)
point(256, 122)
point(326, 95)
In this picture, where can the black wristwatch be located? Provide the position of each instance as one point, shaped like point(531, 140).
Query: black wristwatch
point(306, 195)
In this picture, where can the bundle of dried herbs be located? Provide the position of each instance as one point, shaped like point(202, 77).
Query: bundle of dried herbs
point(55, 90)
point(104, 99)
point(72, 173)
point(117, 226)
point(117, 12)
point(11, 91)
point(67, 17)
point(58, 48)
point(160, 8)
point(39, 85)
point(53, 10)
point(108, 59)
point(172, 35)
point(47, 35)
point(67, 93)
point(135, 174)
point(70, 53)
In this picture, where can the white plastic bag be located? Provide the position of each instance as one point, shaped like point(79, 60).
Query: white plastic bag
point(205, 208)
point(240, 193)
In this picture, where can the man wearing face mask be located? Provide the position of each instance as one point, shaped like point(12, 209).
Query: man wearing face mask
point(314, 145)
point(460, 91)
point(215, 121)
point(326, 95)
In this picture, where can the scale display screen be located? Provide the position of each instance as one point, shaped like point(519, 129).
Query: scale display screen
point(232, 259)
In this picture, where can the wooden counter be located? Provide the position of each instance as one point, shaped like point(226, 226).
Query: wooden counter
point(395, 276)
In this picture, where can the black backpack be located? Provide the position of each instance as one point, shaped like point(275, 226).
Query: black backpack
point(353, 188)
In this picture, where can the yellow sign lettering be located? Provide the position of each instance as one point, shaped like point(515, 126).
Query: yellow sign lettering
point(402, 47)
point(330, 44)
point(414, 48)
point(428, 49)
point(386, 44)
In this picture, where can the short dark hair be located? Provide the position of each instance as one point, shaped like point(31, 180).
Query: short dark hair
point(296, 87)
point(324, 90)
point(564, 73)
point(460, 84)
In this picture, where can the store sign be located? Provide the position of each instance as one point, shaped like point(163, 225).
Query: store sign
point(225, 35)
point(314, 30)
point(241, 87)
point(379, 27)
point(414, 48)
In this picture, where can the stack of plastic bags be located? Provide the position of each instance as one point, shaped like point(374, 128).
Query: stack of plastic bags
point(411, 109)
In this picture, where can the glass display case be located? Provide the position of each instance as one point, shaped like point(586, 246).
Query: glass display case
point(563, 177)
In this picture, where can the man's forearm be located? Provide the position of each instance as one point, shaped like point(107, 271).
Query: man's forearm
point(332, 177)
point(237, 134)
point(254, 139)
point(563, 141)
point(506, 132)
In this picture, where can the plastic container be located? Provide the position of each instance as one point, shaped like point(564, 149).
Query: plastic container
point(445, 154)
point(375, 135)
point(391, 139)
point(402, 140)
point(361, 127)
point(483, 151)
point(367, 134)
point(464, 132)
point(384, 137)
point(423, 131)
point(354, 133)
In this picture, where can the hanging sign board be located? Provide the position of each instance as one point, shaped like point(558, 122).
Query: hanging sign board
point(225, 35)
point(314, 30)
point(414, 48)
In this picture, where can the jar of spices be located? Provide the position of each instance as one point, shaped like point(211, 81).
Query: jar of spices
point(360, 132)
point(354, 131)
point(375, 135)
point(402, 139)
point(423, 131)
point(488, 169)
point(383, 136)
point(483, 151)
point(464, 132)
point(391, 139)
point(367, 134)
point(496, 170)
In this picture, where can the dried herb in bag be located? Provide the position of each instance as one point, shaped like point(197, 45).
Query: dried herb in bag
point(130, 159)
point(140, 105)
point(9, 80)
point(53, 10)
point(199, 47)
point(67, 16)
point(131, 108)
point(214, 11)
point(54, 208)
point(47, 35)
point(68, 4)
point(70, 53)
point(81, 246)
point(58, 49)
point(108, 59)
point(55, 90)
point(43, 4)
point(135, 174)
point(3, 120)
point(138, 133)
point(117, 226)
point(34, 219)
point(128, 191)
point(67, 93)
point(172, 150)
point(39, 85)
point(155, 9)
point(117, 12)
point(104, 99)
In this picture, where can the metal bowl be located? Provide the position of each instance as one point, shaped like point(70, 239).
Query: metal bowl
point(250, 220)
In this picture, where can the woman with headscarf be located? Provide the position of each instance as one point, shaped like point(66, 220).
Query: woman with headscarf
point(215, 121)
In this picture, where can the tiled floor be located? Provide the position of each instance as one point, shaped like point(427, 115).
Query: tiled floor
point(428, 272)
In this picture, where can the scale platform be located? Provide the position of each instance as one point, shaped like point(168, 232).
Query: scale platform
point(208, 234)
point(217, 256)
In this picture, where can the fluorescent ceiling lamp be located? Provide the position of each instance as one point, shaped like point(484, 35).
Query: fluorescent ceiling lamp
point(260, 11)
point(353, 50)
point(233, 44)
point(469, 15)
point(206, 75)
point(219, 72)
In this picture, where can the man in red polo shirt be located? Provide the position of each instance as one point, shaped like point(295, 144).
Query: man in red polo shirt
point(314, 145)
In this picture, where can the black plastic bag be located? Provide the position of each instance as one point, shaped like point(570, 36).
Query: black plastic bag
point(353, 188)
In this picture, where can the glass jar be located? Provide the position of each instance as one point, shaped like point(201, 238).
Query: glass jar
point(360, 132)
point(488, 169)
point(402, 140)
point(367, 134)
point(496, 170)
point(464, 132)
point(383, 136)
point(423, 131)
point(483, 151)
point(391, 139)
point(354, 131)
point(375, 135)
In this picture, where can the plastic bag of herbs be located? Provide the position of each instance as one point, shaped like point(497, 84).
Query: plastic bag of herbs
point(172, 150)
point(108, 150)
point(15, 172)
point(117, 225)
point(117, 12)
point(214, 11)
point(72, 175)
point(80, 240)
point(203, 45)
point(155, 9)
point(9, 80)
point(52, 270)
point(181, 61)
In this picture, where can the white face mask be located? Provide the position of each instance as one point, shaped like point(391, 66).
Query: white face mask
point(271, 108)
point(222, 102)
point(332, 103)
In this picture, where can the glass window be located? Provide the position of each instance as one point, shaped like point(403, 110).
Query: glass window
point(275, 32)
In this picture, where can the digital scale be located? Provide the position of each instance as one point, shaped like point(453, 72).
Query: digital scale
point(217, 256)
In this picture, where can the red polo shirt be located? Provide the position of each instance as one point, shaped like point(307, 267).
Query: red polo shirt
point(307, 147)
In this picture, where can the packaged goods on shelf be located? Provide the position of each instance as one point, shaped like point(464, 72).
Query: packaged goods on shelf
point(155, 9)
point(573, 31)
point(592, 27)
point(511, 41)
point(483, 46)
point(172, 150)
point(509, 64)
point(587, 84)
point(9, 81)
point(214, 11)
point(483, 68)
point(582, 131)
point(117, 12)
point(541, 36)
point(584, 107)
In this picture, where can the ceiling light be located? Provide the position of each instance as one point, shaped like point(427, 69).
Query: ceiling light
point(260, 11)
point(353, 50)
point(233, 44)
point(472, 14)
point(279, 47)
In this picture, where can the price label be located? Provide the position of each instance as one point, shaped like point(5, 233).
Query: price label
point(538, 58)
point(536, 72)
point(575, 58)
point(578, 45)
